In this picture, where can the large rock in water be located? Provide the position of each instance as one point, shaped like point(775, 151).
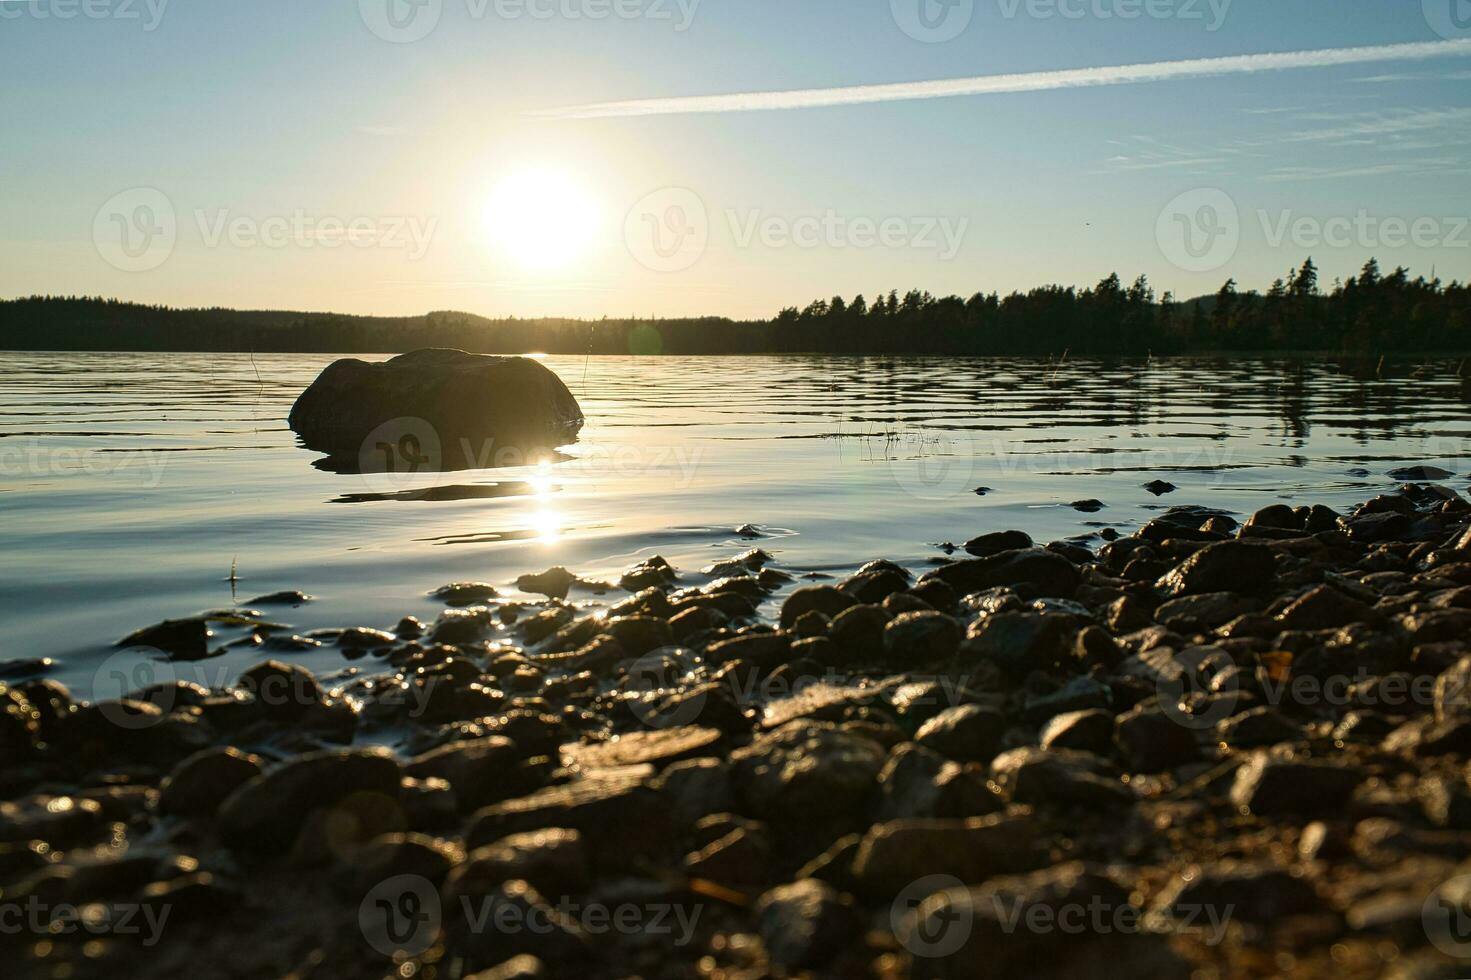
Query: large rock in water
point(434, 409)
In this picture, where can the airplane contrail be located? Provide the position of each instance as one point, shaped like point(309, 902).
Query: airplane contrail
point(1037, 81)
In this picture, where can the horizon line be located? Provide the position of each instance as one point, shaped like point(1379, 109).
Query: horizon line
point(1037, 81)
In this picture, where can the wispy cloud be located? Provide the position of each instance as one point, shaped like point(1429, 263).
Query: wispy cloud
point(1023, 82)
point(1416, 76)
point(1381, 124)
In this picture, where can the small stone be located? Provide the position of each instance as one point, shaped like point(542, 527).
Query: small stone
point(1019, 641)
point(651, 573)
point(521, 967)
point(1227, 566)
point(287, 598)
point(806, 924)
point(621, 818)
point(1087, 506)
point(1259, 726)
point(1078, 694)
point(1271, 786)
point(969, 733)
point(282, 690)
point(923, 636)
point(1152, 741)
point(363, 638)
point(638, 635)
point(739, 859)
point(267, 812)
point(397, 854)
point(554, 860)
point(1251, 893)
point(697, 788)
point(1032, 571)
point(556, 938)
point(1058, 778)
point(465, 593)
point(807, 773)
point(1420, 474)
point(858, 632)
point(918, 782)
point(181, 639)
point(201, 782)
point(894, 854)
point(480, 771)
point(1084, 731)
point(554, 582)
point(996, 542)
point(1159, 487)
point(1325, 608)
point(825, 599)
point(658, 747)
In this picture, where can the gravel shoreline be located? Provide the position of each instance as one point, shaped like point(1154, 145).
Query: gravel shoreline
point(1205, 749)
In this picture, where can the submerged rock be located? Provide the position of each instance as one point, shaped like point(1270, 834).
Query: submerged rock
point(181, 639)
point(422, 405)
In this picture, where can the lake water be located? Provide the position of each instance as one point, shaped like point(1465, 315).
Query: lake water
point(132, 484)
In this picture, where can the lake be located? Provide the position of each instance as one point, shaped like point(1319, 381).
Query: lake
point(134, 487)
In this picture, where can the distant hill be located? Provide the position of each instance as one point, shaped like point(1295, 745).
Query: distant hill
point(1370, 314)
point(54, 323)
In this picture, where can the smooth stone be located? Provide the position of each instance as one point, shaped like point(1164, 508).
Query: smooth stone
point(444, 399)
point(1227, 566)
point(806, 924)
point(200, 783)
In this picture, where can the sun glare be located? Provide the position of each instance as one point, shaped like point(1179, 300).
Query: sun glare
point(542, 219)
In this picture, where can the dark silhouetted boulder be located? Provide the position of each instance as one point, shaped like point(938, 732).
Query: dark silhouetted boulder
point(434, 410)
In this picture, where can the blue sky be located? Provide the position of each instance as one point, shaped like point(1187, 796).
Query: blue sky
point(222, 123)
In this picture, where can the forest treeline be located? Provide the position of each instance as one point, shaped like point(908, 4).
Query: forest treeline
point(1370, 313)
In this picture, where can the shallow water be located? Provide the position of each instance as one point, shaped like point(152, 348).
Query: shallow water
point(132, 484)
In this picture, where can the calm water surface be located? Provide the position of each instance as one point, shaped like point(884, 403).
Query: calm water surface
point(131, 484)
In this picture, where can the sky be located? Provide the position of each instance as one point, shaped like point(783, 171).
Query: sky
point(627, 157)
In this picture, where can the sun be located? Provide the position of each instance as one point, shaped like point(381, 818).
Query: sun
point(541, 218)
